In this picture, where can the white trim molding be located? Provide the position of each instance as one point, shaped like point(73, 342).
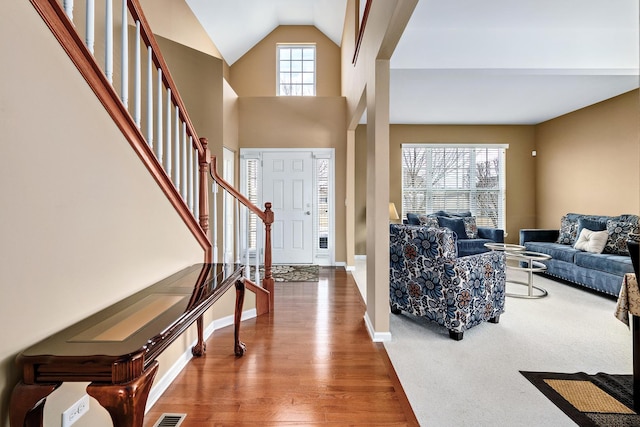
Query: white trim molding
point(376, 336)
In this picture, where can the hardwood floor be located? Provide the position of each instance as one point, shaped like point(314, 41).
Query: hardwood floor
point(309, 363)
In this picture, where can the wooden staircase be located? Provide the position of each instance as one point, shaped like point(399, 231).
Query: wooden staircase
point(157, 126)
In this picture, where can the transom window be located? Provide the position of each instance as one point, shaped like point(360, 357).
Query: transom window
point(455, 178)
point(297, 70)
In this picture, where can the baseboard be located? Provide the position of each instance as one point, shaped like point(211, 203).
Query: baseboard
point(360, 257)
point(163, 383)
point(350, 267)
point(376, 336)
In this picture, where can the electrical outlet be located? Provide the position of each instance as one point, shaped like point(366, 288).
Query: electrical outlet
point(75, 411)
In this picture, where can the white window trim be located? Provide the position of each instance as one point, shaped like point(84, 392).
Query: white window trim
point(315, 66)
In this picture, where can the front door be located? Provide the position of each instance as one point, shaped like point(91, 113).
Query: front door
point(288, 184)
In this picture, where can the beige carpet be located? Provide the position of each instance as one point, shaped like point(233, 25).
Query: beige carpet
point(477, 381)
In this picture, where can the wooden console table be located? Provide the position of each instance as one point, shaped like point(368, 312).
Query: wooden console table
point(116, 349)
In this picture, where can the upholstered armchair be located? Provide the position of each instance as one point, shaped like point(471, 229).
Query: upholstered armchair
point(428, 279)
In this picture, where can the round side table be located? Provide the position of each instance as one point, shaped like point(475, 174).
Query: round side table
point(532, 264)
point(504, 247)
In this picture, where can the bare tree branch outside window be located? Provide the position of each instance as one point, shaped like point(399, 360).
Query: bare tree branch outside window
point(453, 179)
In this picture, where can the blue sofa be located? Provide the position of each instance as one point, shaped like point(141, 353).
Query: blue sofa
point(470, 239)
point(428, 279)
point(603, 271)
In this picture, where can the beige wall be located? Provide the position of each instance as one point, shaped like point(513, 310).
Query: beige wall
point(520, 172)
point(174, 20)
point(300, 122)
point(212, 107)
point(84, 223)
point(366, 82)
point(588, 161)
point(269, 121)
point(254, 74)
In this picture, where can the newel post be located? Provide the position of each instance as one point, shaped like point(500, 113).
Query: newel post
point(204, 161)
point(268, 282)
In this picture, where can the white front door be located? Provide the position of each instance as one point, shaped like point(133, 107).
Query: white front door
point(288, 185)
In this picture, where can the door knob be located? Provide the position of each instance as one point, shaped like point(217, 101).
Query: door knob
point(307, 213)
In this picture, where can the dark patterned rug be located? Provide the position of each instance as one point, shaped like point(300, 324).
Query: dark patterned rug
point(589, 400)
point(292, 273)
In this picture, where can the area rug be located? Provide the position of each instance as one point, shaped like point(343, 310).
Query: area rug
point(589, 400)
point(292, 273)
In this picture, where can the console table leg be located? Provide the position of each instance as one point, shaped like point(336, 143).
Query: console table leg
point(240, 347)
point(125, 402)
point(27, 404)
point(201, 346)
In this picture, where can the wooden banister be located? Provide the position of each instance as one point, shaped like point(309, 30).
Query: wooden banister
point(158, 59)
point(266, 216)
point(65, 32)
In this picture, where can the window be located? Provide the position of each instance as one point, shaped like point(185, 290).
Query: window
point(322, 202)
point(297, 70)
point(252, 167)
point(455, 178)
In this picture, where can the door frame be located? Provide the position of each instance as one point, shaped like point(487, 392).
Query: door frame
point(325, 257)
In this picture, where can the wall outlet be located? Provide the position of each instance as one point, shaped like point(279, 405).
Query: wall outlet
point(75, 411)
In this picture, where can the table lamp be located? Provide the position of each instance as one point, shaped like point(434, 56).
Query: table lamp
point(393, 213)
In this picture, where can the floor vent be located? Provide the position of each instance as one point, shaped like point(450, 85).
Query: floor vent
point(170, 420)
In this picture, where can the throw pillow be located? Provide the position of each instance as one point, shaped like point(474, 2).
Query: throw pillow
point(592, 241)
point(591, 224)
point(568, 231)
point(428, 220)
point(619, 232)
point(470, 227)
point(452, 214)
point(412, 219)
point(454, 224)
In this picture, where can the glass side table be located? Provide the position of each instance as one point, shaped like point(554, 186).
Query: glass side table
point(530, 262)
point(525, 260)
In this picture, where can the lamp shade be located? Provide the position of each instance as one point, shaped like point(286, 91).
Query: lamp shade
point(393, 213)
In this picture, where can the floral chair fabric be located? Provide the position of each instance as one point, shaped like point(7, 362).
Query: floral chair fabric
point(428, 279)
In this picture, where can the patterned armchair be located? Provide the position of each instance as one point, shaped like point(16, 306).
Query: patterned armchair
point(428, 279)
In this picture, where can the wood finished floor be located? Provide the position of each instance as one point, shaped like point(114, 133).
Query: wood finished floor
point(309, 363)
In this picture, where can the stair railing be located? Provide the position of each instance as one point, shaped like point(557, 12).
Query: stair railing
point(157, 125)
point(126, 70)
point(245, 208)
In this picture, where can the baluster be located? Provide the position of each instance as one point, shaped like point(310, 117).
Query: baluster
point(214, 226)
point(108, 48)
point(124, 78)
point(183, 180)
point(159, 141)
point(176, 150)
point(167, 164)
point(257, 278)
point(137, 80)
point(89, 32)
point(245, 222)
point(196, 184)
point(68, 8)
point(149, 95)
point(224, 227)
point(190, 189)
point(236, 208)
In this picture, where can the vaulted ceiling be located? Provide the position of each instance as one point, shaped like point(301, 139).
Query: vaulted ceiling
point(471, 61)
